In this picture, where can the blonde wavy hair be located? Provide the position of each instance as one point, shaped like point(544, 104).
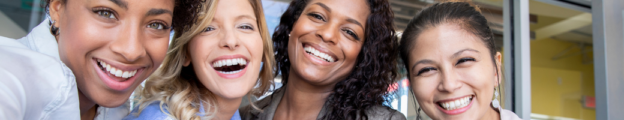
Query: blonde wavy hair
point(177, 88)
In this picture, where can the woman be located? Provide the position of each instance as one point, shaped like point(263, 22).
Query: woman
point(336, 58)
point(452, 63)
point(211, 65)
point(108, 46)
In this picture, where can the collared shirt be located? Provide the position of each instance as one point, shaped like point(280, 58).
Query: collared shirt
point(36, 83)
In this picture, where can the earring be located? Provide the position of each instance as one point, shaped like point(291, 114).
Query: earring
point(288, 35)
point(495, 102)
point(53, 29)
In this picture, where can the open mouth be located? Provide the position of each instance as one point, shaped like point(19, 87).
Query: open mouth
point(318, 54)
point(230, 66)
point(456, 104)
point(115, 71)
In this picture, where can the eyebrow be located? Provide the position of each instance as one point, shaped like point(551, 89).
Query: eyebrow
point(153, 12)
point(355, 22)
point(120, 3)
point(323, 6)
point(245, 16)
point(425, 61)
point(463, 50)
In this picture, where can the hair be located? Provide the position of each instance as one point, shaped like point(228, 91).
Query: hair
point(375, 69)
point(179, 88)
point(184, 12)
point(458, 12)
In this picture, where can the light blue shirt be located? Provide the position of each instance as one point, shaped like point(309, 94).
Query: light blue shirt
point(154, 112)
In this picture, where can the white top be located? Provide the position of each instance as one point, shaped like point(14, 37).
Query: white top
point(36, 85)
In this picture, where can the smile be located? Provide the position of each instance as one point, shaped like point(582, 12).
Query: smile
point(318, 54)
point(230, 66)
point(456, 104)
point(116, 71)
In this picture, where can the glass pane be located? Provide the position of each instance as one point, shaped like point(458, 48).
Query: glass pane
point(562, 69)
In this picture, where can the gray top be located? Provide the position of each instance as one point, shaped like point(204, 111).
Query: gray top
point(268, 105)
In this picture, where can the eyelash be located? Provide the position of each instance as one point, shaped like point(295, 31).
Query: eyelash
point(163, 26)
point(462, 60)
point(317, 16)
point(423, 70)
point(101, 11)
point(248, 27)
point(209, 28)
point(350, 32)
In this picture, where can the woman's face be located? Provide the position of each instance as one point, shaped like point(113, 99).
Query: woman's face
point(226, 57)
point(326, 40)
point(452, 73)
point(112, 45)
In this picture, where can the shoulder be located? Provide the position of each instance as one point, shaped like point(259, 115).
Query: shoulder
point(45, 81)
point(266, 107)
point(380, 112)
point(508, 115)
point(151, 112)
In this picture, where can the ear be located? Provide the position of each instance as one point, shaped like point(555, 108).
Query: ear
point(499, 72)
point(187, 59)
point(56, 10)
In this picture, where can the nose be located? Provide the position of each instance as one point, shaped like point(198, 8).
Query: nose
point(228, 39)
point(128, 44)
point(449, 82)
point(328, 33)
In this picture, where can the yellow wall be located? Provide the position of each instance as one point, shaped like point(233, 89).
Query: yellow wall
point(549, 97)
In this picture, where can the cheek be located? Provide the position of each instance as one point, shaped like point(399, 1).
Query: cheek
point(157, 49)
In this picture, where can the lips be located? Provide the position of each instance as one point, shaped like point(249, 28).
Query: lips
point(114, 76)
point(456, 106)
point(229, 67)
point(319, 54)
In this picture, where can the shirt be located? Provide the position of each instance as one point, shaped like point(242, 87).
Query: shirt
point(40, 86)
point(35, 86)
point(154, 112)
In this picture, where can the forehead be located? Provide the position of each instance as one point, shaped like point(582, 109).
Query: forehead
point(356, 9)
point(444, 40)
point(234, 8)
point(135, 4)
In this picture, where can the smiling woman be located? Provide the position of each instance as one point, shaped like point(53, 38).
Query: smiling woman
point(452, 64)
point(109, 46)
point(211, 65)
point(336, 58)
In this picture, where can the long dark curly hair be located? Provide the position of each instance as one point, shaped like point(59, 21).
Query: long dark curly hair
point(375, 69)
point(184, 12)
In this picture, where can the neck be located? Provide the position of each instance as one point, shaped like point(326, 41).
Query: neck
point(87, 107)
point(227, 107)
point(302, 100)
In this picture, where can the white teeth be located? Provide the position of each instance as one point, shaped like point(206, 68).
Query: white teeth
point(229, 62)
point(230, 72)
point(319, 54)
point(117, 72)
point(459, 103)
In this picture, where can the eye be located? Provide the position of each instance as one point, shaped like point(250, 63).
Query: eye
point(463, 60)
point(316, 16)
point(208, 29)
point(351, 33)
point(247, 27)
point(105, 12)
point(157, 26)
point(425, 70)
